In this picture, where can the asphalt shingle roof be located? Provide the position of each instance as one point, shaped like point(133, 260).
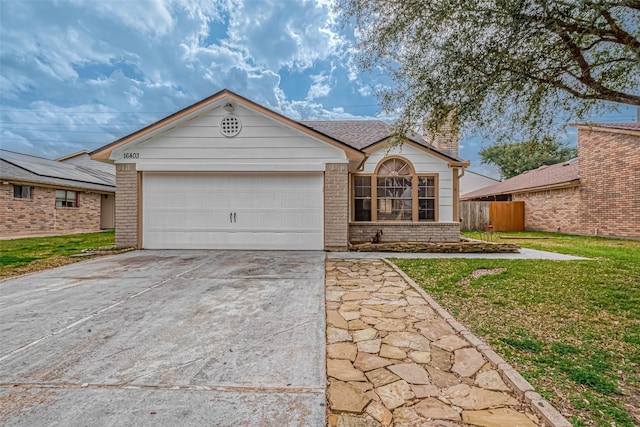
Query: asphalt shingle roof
point(26, 168)
point(543, 176)
point(360, 134)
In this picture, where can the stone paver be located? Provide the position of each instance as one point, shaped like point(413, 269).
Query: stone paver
point(392, 360)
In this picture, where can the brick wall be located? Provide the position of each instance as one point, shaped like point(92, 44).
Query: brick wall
point(405, 231)
point(552, 210)
point(40, 216)
point(609, 183)
point(336, 206)
point(126, 204)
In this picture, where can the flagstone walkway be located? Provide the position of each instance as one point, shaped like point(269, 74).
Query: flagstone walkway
point(395, 358)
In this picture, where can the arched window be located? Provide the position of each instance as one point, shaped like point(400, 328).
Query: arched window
point(395, 193)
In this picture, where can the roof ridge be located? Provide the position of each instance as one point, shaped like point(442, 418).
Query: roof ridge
point(24, 154)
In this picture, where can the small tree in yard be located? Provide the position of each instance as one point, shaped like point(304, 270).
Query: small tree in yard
point(514, 159)
point(502, 66)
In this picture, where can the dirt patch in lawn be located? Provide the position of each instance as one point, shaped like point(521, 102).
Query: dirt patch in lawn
point(479, 273)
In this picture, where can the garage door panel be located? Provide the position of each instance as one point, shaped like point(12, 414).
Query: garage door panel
point(237, 240)
point(251, 211)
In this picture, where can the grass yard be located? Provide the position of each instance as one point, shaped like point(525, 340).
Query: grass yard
point(27, 255)
point(571, 328)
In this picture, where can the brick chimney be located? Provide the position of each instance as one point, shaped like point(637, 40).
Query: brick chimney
point(447, 139)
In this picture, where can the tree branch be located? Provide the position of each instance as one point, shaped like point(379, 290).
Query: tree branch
point(586, 78)
point(624, 37)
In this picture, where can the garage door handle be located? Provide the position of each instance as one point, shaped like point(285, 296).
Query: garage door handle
point(234, 217)
point(230, 217)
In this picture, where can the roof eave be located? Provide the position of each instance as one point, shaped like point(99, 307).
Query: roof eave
point(556, 186)
point(595, 127)
point(451, 161)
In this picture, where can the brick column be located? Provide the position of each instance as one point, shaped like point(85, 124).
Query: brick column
point(126, 204)
point(336, 207)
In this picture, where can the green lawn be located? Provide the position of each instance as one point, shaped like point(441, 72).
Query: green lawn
point(572, 328)
point(19, 256)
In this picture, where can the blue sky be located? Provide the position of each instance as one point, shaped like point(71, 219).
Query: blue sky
point(78, 74)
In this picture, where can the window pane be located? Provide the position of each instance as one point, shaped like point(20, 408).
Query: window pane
point(394, 167)
point(427, 204)
point(394, 187)
point(427, 215)
point(22, 192)
point(68, 199)
point(362, 198)
point(363, 184)
point(363, 210)
point(394, 199)
point(426, 198)
point(394, 209)
point(427, 209)
point(72, 199)
point(60, 198)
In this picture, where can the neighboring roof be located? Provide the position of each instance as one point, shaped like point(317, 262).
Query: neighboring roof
point(628, 128)
point(82, 159)
point(544, 176)
point(26, 168)
point(479, 174)
point(71, 156)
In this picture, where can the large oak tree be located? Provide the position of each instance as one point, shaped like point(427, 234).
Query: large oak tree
point(508, 67)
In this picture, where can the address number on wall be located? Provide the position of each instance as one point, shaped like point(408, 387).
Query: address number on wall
point(131, 155)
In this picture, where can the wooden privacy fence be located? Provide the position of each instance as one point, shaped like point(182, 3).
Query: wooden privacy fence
point(474, 216)
point(491, 216)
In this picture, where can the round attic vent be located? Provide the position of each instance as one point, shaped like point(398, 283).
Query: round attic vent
point(230, 125)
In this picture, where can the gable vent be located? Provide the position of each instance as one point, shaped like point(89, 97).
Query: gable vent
point(230, 125)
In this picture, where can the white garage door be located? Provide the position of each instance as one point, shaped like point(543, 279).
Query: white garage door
point(231, 211)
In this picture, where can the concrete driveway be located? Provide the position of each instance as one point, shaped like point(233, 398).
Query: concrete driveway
point(166, 338)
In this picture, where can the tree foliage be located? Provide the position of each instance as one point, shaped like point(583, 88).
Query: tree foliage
point(503, 66)
point(514, 159)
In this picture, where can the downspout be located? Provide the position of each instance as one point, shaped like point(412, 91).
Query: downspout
point(456, 199)
point(360, 167)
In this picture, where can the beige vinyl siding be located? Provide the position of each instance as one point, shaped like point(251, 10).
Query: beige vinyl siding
point(263, 144)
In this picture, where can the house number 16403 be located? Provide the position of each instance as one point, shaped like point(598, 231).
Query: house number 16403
point(131, 155)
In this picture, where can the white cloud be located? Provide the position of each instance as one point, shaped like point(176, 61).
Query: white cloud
point(82, 73)
point(322, 84)
point(151, 17)
point(280, 34)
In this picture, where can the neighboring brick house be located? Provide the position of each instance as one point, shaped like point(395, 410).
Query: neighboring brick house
point(596, 194)
point(45, 197)
point(227, 173)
